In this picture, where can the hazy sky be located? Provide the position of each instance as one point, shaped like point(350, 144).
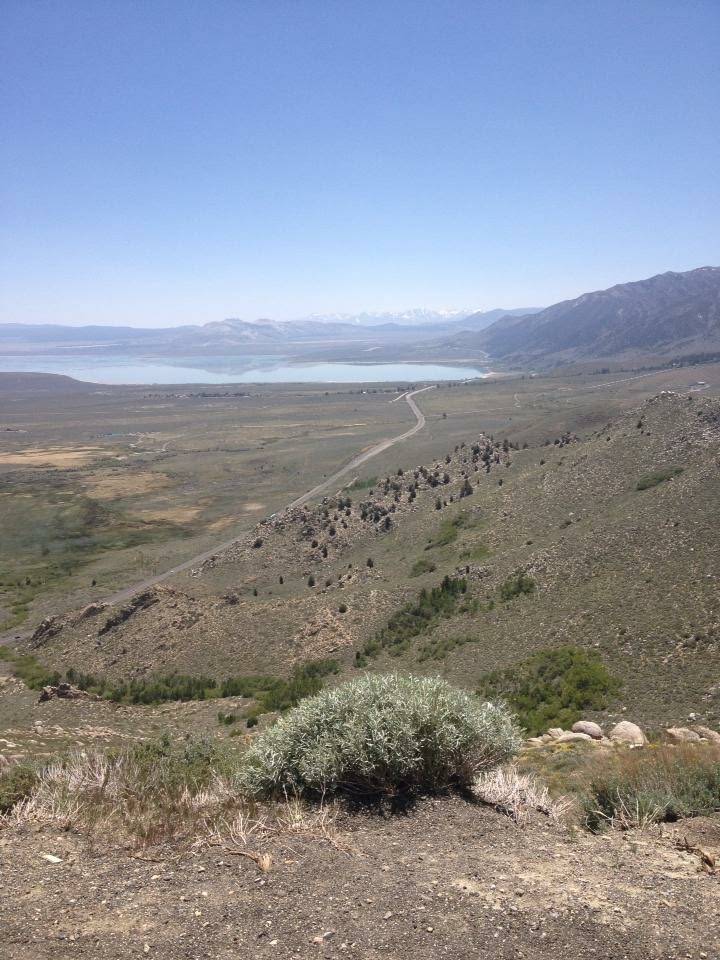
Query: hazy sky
point(179, 162)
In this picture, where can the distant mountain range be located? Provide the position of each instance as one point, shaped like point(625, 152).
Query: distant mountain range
point(474, 319)
point(672, 314)
point(669, 315)
point(251, 336)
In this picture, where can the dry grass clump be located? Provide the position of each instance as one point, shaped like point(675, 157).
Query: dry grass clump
point(379, 736)
point(157, 791)
point(519, 794)
point(150, 791)
point(635, 788)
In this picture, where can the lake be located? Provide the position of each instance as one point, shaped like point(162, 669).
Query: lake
point(214, 370)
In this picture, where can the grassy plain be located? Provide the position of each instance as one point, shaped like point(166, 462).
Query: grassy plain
point(103, 486)
point(624, 571)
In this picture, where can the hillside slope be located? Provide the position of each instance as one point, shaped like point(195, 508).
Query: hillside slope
point(618, 532)
point(671, 314)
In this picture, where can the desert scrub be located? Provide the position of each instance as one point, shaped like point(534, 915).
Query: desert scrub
point(17, 782)
point(633, 788)
point(151, 790)
point(271, 693)
point(518, 585)
point(553, 688)
point(380, 735)
point(415, 618)
point(422, 566)
point(659, 476)
point(27, 668)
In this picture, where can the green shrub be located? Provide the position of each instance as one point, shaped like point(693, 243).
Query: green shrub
point(518, 585)
point(380, 735)
point(27, 668)
point(16, 783)
point(422, 566)
point(416, 618)
point(552, 688)
point(631, 788)
point(659, 476)
point(272, 693)
point(448, 532)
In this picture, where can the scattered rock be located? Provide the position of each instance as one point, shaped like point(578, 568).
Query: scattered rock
point(705, 733)
point(587, 726)
point(630, 733)
point(572, 737)
point(47, 629)
point(91, 610)
point(63, 691)
point(682, 735)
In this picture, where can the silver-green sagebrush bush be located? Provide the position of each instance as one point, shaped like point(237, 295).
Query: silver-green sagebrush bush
point(380, 735)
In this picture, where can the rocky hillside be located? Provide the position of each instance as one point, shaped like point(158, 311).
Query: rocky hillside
point(615, 535)
point(672, 314)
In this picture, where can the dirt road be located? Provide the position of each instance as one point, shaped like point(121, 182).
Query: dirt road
point(122, 595)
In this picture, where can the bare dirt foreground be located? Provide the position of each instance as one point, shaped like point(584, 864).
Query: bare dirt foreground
point(448, 878)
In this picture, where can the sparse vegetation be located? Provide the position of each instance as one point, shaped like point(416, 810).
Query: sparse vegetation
point(553, 688)
point(416, 618)
point(657, 477)
point(272, 693)
point(380, 735)
point(632, 788)
point(518, 585)
point(448, 532)
point(27, 668)
point(422, 566)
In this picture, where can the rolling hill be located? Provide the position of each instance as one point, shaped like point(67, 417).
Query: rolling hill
point(669, 315)
point(616, 532)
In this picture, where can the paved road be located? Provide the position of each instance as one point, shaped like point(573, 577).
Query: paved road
point(125, 594)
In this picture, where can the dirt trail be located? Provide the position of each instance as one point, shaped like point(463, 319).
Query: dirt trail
point(121, 596)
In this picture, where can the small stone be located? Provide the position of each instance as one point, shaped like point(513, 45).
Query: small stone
point(387, 915)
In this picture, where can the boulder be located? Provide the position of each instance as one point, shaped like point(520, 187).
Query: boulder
point(630, 733)
point(572, 737)
point(705, 733)
point(555, 732)
point(587, 726)
point(65, 691)
point(682, 735)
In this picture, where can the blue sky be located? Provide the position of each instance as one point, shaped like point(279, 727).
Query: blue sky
point(180, 162)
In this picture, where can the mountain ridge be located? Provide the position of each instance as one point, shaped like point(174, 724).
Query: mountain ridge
point(669, 312)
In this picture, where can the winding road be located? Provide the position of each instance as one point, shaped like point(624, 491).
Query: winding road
point(121, 596)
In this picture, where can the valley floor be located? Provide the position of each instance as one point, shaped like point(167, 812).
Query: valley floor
point(446, 878)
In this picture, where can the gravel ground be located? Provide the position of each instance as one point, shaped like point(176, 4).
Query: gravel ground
point(447, 878)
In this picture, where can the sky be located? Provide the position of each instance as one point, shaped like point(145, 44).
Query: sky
point(182, 162)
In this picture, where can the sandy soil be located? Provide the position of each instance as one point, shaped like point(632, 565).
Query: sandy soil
point(447, 878)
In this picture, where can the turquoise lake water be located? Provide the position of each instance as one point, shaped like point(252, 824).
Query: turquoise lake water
point(97, 369)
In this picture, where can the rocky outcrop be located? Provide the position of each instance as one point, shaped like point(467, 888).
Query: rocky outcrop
point(630, 733)
point(682, 735)
point(63, 691)
point(592, 730)
point(705, 733)
point(47, 629)
point(140, 602)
